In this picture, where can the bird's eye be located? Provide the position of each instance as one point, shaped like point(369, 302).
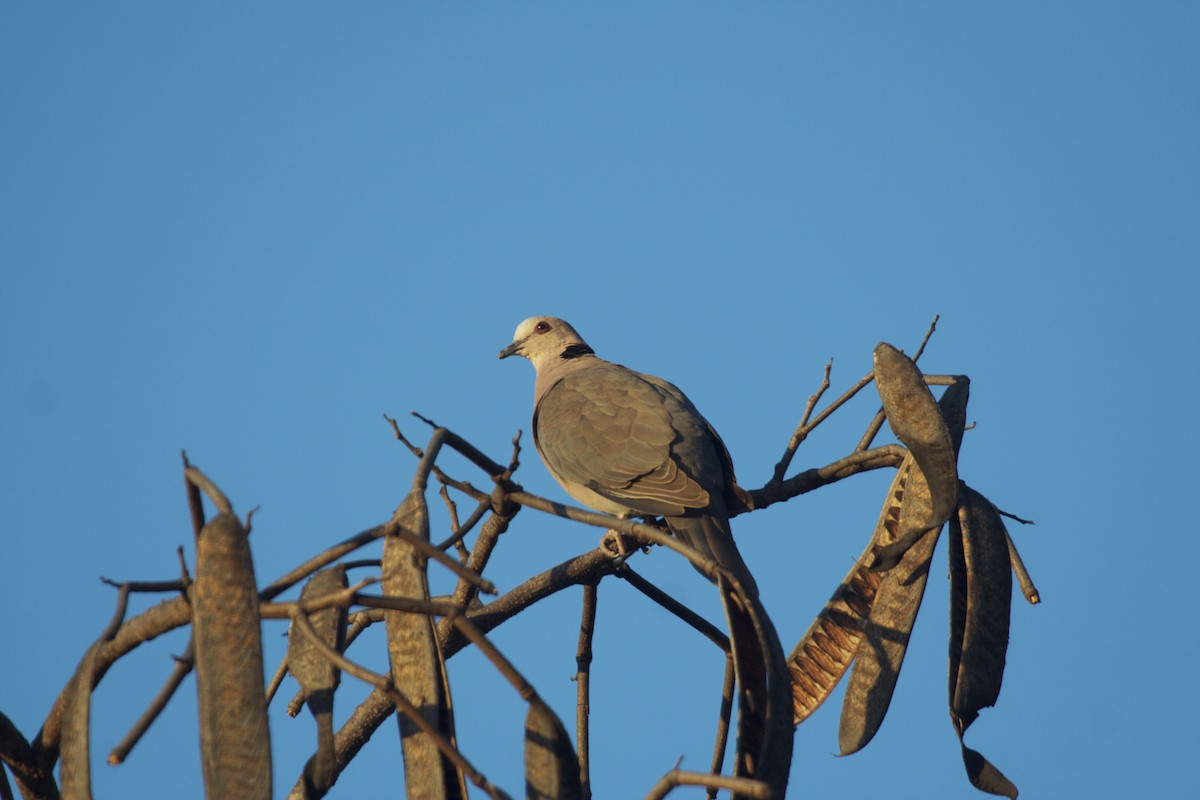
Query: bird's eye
point(541, 327)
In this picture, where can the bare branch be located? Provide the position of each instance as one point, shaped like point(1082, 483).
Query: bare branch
point(806, 428)
point(723, 717)
point(699, 623)
point(384, 685)
point(886, 456)
point(802, 429)
point(744, 787)
point(183, 666)
point(583, 673)
point(1018, 567)
point(281, 585)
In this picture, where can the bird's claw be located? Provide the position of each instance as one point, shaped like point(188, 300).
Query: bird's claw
point(618, 544)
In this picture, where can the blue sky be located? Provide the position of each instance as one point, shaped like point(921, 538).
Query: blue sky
point(250, 232)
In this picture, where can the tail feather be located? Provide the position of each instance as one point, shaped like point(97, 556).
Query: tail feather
point(708, 533)
point(764, 725)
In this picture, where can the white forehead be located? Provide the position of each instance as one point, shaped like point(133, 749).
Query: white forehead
point(525, 329)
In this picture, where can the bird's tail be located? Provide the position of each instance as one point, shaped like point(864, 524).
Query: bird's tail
point(764, 694)
point(708, 533)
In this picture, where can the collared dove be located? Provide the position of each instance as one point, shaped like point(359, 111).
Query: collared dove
point(630, 444)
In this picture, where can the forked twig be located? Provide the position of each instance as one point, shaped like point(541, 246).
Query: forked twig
point(384, 684)
point(183, 667)
point(743, 787)
point(805, 427)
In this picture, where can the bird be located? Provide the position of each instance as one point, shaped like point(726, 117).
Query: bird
point(633, 445)
point(629, 444)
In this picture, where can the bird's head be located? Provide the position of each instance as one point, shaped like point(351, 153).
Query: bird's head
point(544, 340)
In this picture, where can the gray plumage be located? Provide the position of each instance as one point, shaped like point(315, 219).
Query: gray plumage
point(628, 444)
point(632, 445)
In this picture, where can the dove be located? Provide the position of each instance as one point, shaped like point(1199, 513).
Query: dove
point(633, 445)
point(629, 444)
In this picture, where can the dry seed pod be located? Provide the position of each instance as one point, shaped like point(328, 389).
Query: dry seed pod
point(985, 618)
point(984, 776)
point(418, 670)
point(886, 632)
point(318, 677)
point(826, 649)
point(914, 417)
point(551, 766)
point(235, 740)
point(898, 596)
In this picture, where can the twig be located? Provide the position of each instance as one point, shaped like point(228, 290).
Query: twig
point(802, 428)
point(147, 586)
point(805, 428)
point(195, 506)
point(148, 625)
point(412, 448)
point(1018, 567)
point(351, 595)
point(583, 672)
point(889, 455)
point(459, 531)
point(183, 666)
point(432, 551)
point(1015, 517)
point(928, 335)
point(699, 623)
point(451, 506)
point(515, 462)
point(320, 560)
point(493, 654)
point(421, 476)
point(582, 569)
point(436, 608)
point(638, 530)
point(877, 421)
point(465, 448)
point(277, 680)
point(742, 787)
point(489, 535)
point(726, 713)
point(384, 684)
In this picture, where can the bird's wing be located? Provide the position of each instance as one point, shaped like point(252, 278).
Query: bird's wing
point(610, 430)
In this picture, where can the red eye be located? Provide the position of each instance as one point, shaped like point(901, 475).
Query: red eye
point(541, 327)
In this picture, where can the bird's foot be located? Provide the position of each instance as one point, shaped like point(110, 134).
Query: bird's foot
point(620, 545)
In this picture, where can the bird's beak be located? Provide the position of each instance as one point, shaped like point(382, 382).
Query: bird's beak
point(513, 349)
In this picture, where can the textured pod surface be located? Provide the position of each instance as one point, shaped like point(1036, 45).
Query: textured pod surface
point(418, 671)
point(901, 589)
point(887, 629)
point(982, 774)
point(551, 766)
point(914, 417)
point(235, 741)
point(988, 603)
point(826, 649)
point(318, 676)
